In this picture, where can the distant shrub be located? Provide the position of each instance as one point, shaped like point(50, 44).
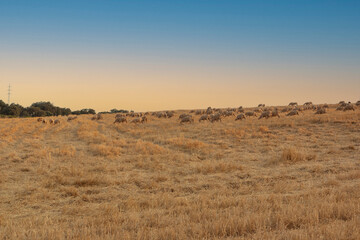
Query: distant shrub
point(84, 111)
point(118, 111)
point(51, 110)
point(12, 110)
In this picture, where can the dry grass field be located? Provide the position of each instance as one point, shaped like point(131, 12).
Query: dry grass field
point(292, 177)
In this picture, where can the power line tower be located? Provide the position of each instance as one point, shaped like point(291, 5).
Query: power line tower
point(9, 92)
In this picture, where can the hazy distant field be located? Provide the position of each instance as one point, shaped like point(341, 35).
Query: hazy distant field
point(281, 178)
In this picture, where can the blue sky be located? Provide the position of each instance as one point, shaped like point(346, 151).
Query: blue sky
point(218, 42)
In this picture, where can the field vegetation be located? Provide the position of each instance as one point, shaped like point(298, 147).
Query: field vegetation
point(295, 177)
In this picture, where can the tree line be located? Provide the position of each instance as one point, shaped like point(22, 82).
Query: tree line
point(43, 109)
point(38, 109)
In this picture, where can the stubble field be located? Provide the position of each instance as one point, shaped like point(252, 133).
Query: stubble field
point(280, 178)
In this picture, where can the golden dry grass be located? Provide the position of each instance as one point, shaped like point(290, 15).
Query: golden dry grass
point(288, 178)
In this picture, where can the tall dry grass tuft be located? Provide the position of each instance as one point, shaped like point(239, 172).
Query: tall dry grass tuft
point(236, 132)
point(65, 151)
point(146, 148)
point(187, 143)
point(263, 129)
point(88, 131)
point(291, 155)
point(105, 150)
point(211, 167)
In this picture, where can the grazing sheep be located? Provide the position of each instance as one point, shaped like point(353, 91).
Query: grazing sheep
point(293, 104)
point(143, 119)
point(97, 117)
point(308, 105)
point(261, 105)
point(339, 108)
point(169, 114)
point(57, 121)
point(257, 110)
point(299, 109)
point(285, 110)
point(120, 120)
point(250, 114)
point(198, 112)
point(44, 121)
point(40, 119)
point(71, 118)
point(349, 107)
point(132, 114)
point(215, 117)
point(265, 115)
point(342, 104)
point(228, 113)
point(119, 115)
point(51, 121)
point(320, 111)
point(293, 113)
point(275, 113)
point(136, 120)
point(161, 115)
point(325, 105)
point(357, 103)
point(240, 109)
point(209, 111)
point(188, 119)
point(184, 115)
point(240, 117)
point(204, 118)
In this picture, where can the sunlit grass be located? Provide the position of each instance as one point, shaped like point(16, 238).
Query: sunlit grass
point(279, 178)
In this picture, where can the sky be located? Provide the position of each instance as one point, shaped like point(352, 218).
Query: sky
point(159, 55)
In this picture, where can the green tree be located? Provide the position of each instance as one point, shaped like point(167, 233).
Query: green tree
point(13, 110)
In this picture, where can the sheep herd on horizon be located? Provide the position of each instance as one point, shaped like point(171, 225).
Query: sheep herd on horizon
point(216, 115)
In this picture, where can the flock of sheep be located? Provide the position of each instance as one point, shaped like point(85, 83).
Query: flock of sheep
point(216, 115)
point(293, 109)
point(56, 121)
point(50, 121)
